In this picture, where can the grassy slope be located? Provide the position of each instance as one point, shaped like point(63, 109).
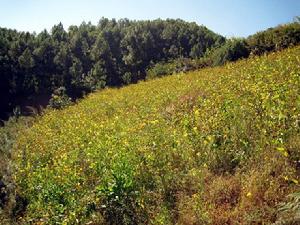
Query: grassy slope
point(214, 146)
point(8, 135)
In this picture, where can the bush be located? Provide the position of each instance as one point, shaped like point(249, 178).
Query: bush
point(127, 78)
point(274, 39)
point(119, 195)
point(232, 50)
point(179, 65)
point(160, 70)
point(59, 99)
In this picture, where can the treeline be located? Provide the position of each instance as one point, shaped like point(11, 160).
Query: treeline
point(272, 39)
point(89, 57)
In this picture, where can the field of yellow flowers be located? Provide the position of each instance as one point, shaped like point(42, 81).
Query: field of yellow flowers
point(215, 146)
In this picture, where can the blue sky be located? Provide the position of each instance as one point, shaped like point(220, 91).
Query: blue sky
point(227, 17)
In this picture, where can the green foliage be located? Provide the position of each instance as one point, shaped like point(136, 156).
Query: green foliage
point(275, 39)
point(232, 50)
point(25, 60)
point(96, 78)
point(59, 99)
point(175, 66)
point(127, 78)
point(88, 57)
point(8, 135)
point(160, 70)
point(120, 195)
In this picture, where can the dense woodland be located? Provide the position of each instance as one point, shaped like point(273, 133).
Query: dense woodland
point(89, 57)
point(114, 53)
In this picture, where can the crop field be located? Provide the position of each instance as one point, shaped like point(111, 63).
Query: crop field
point(215, 146)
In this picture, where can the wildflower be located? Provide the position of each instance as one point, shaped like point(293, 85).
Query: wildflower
point(283, 151)
point(295, 181)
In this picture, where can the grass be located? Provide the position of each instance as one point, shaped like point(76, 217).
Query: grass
point(8, 136)
point(215, 146)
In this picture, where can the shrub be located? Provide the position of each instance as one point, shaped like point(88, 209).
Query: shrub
point(232, 50)
point(127, 78)
point(59, 99)
point(167, 68)
point(119, 195)
point(159, 70)
point(274, 39)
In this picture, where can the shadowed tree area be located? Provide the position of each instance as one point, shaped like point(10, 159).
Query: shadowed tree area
point(89, 57)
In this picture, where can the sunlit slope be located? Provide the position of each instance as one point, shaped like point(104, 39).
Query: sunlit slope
point(144, 152)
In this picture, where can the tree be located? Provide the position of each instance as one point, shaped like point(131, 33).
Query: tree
point(96, 78)
point(26, 60)
point(58, 33)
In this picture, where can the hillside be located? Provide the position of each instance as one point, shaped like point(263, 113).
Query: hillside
point(115, 53)
point(214, 146)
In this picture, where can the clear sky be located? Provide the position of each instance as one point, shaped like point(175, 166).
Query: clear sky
point(227, 17)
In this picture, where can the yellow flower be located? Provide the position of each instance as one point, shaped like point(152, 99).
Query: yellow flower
point(154, 121)
point(295, 181)
point(283, 151)
point(249, 194)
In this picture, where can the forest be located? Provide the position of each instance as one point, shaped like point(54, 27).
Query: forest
point(89, 57)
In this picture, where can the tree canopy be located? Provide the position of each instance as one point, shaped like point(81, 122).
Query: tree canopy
point(87, 57)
